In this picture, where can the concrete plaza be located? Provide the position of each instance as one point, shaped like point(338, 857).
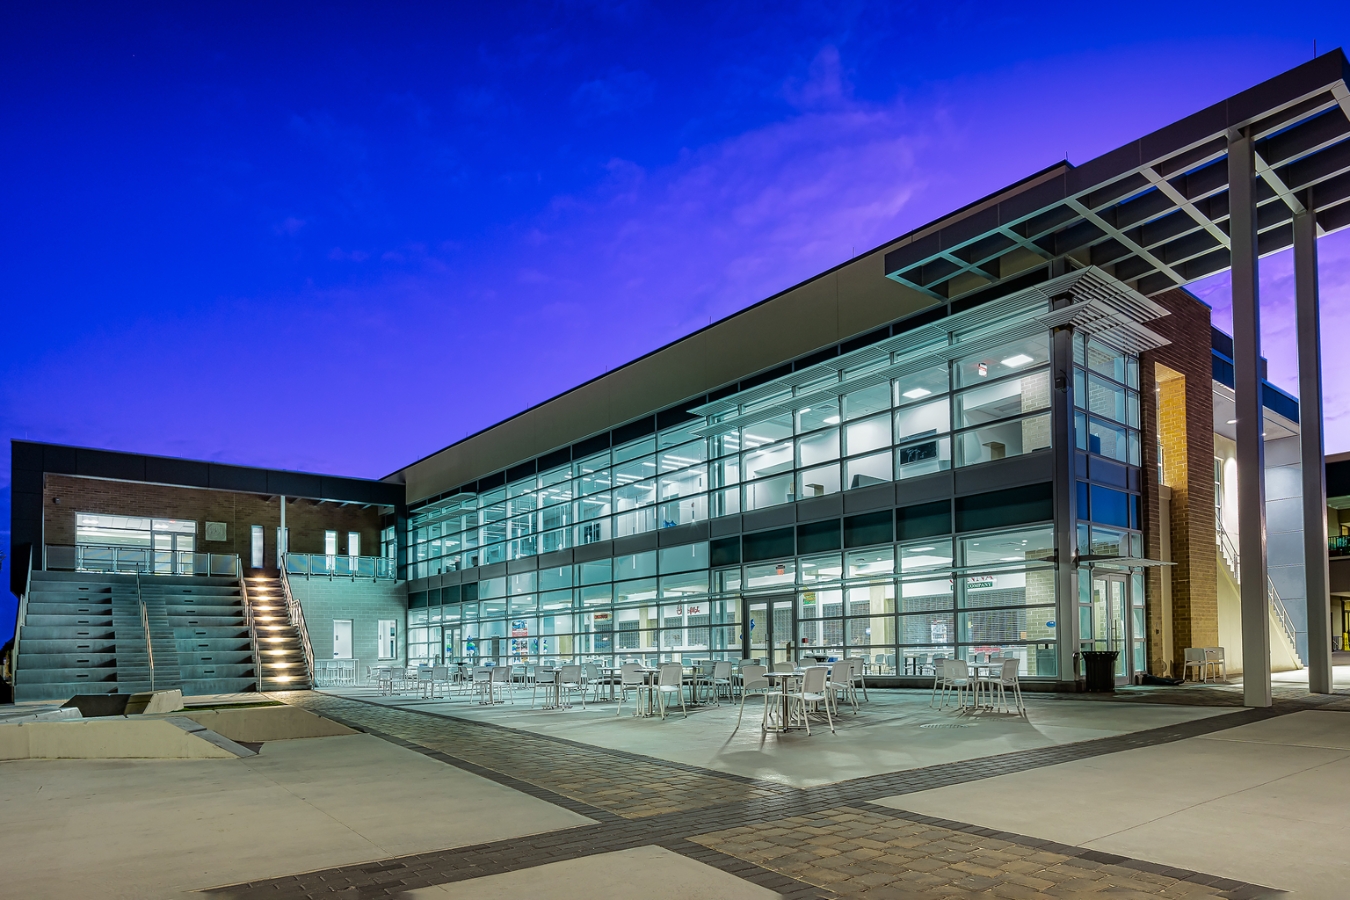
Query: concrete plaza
point(1132, 797)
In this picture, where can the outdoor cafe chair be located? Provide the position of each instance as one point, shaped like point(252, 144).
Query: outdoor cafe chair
point(1194, 658)
point(859, 664)
point(669, 680)
point(841, 684)
point(1214, 660)
point(784, 667)
point(721, 678)
point(753, 681)
point(482, 684)
point(546, 680)
point(940, 683)
point(1000, 684)
point(631, 678)
point(959, 679)
point(812, 692)
point(703, 678)
point(594, 679)
point(570, 681)
point(425, 684)
point(501, 675)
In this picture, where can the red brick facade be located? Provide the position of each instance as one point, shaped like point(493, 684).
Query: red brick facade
point(1176, 386)
point(65, 495)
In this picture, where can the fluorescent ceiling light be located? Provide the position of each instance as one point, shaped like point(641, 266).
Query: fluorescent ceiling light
point(1010, 559)
point(831, 420)
point(1020, 359)
point(916, 393)
point(918, 549)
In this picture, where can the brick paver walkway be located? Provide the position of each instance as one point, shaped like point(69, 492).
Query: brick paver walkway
point(824, 842)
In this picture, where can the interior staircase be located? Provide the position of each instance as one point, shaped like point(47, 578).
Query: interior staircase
point(281, 646)
point(86, 633)
point(1282, 627)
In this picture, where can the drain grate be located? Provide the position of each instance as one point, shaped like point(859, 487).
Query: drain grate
point(949, 725)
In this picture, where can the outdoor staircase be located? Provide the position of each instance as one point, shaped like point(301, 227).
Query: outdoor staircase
point(1282, 625)
point(96, 633)
point(281, 639)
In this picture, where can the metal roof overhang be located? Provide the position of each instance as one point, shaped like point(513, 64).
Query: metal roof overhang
point(1154, 213)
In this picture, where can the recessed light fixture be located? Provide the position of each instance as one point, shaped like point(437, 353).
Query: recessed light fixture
point(918, 549)
point(1232, 421)
point(831, 420)
point(916, 393)
point(1020, 359)
point(1010, 559)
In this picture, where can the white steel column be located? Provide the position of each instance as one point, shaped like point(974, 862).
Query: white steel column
point(1250, 421)
point(1313, 457)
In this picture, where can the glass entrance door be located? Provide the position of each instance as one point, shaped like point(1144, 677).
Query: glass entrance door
point(1110, 620)
point(771, 629)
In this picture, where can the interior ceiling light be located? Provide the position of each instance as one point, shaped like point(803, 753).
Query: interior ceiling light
point(1232, 421)
point(831, 420)
point(916, 393)
point(1020, 359)
point(918, 549)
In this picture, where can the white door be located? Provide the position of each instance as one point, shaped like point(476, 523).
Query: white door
point(388, 629)
point(256, 547)
point(342, 639)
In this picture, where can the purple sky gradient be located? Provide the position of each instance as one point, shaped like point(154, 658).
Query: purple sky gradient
point(217, 251)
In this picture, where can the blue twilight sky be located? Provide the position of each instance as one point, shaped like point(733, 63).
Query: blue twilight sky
point(337, 237)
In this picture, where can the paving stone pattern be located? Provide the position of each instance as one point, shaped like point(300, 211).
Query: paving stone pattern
point(819, 843)
point(855, 852)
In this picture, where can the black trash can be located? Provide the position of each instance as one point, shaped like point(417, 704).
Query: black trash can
point(1101, 670)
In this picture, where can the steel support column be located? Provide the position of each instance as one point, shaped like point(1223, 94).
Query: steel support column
point(1313, 458)
point(1250, 422)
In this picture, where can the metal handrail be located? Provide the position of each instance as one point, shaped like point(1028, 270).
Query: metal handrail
point(1234, 562)
point(145, 630)
point(252, 625)
point(112, 558)
point(20, 615)
point(332, 566)
point(298, 619)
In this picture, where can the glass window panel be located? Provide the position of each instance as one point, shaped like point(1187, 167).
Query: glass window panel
point(522, 493)
point(1003, 399)
point(768, 492)
point(1000, 549)
point(680, 434)
point(868, 470)
point(819, 481)
point(1006, 361)
point(722, 444)
point(524, 583)
point(925, 556)
point(594, 572)
point(1003, 440)
point(820, 414)
point(876, 561)
point(923, 457)
point(820, 447)
point(637, 565)
point(492, 587)
point(593, 482)
point(765, 575)
point(684, 511)
point(919, 386)
point(922, 420)
point(687, 584)
point(767, 432)
point(634, 449)
point(634, 496)
point(554, 600)
point(524, 603)
point(766, 461)
point(867, 401)
point(684, 455)
point(726, 502)
point(593, 532)
point(1108, 440)
point(492, 609)
point(683, 483)
point(633, 470)
point(684, 559)
point(812, 604)
point(1105, 360)
point(725, 471)
point(727, 580)
point(867, 434)
point(638, 521)
point(826, 567)
point(635, 591)
point(552, 477)
point(1106, 399)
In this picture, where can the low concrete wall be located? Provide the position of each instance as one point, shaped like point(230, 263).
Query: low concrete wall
point(137, 738)
point(266, 723)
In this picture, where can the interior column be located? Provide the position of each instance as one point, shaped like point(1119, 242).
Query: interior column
point(1250, 421)
point(1312, 451)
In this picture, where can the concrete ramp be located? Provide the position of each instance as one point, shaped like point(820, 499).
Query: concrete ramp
point(116, 738)
point(257, 724)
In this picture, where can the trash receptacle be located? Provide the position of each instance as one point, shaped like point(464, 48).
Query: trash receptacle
point(1101, 670)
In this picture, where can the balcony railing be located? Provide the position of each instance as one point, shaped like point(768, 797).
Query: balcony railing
point(375, 568)
point(138, 560)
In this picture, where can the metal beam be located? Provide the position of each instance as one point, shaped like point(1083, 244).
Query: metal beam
point(1276, 184)
point(1110, 229)
point(1251, 453)
point(1204, 221)
point(1315, 563)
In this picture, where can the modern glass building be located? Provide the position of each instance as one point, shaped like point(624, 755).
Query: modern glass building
point(1008, 431)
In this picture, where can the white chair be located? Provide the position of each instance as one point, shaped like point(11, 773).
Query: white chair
point(501, 682)
point(784, 667)
point(841, 684)
point(631, 678)
point(753, 681)
point(1214, 661)
point(547, 680)
point(385, 677)
point(594, 679)
point(703, 678)
point(440, 678)
point(940, 683)
point(959, 680)
point(482, 684)
point(859, 672)
point(570, 681)
point(813, 691)
point(998, 685)
point(669, 680)
point(425, 684)
point(1194, 658)
point(721, 678)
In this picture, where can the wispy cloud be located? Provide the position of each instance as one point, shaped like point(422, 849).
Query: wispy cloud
point(620, 91)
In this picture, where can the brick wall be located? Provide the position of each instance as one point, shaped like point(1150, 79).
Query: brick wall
point(363, 602)
point(65, 495)
point(1176, 383)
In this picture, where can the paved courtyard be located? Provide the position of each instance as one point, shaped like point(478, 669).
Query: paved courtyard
point(448, 798)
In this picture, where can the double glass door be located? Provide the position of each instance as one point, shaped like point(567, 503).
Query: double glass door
point(770, 629)
point(1118, 623)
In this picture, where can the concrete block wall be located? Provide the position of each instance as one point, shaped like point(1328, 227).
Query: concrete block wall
point(364, 602)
